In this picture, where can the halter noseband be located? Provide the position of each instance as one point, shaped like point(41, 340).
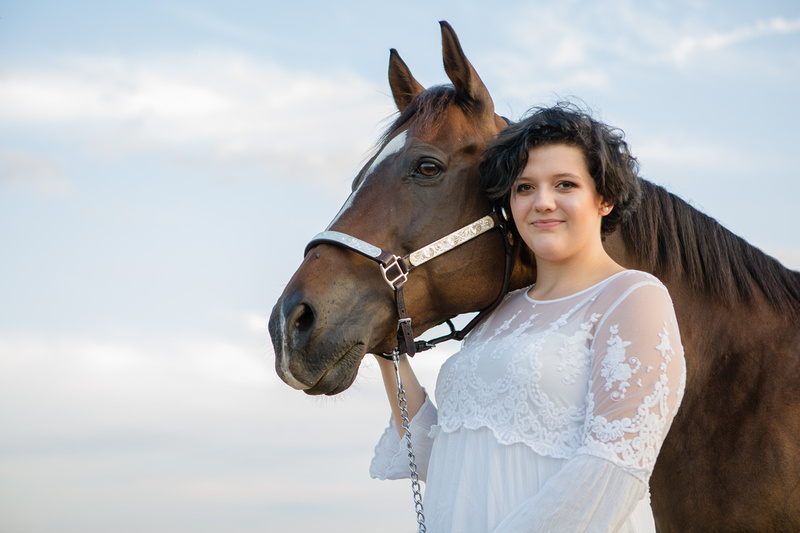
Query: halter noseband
point(395, 270)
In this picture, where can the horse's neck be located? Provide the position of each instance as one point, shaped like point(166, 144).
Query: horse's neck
point(524, 272)
point(615, 246)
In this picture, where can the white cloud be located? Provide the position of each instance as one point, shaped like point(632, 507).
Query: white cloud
point(186, 432)
point(688, 46)
point(558, 47)
point(680, 152)
point(570, 51)
point(693, 155)
point(554, 39)
point(232, 106)
point(96, 376)
point(100, 89)
point(256, 322)
point(207, 21)
point(584, 47)
point(19, 168)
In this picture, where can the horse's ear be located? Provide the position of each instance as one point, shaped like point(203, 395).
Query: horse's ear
point(404, 86)
point(469, 86)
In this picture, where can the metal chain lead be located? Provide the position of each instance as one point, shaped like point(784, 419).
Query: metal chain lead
point(412, 463)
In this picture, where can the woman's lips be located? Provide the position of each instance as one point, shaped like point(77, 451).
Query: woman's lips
point(546, 223)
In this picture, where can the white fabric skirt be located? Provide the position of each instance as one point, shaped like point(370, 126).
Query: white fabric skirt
point(474, 482)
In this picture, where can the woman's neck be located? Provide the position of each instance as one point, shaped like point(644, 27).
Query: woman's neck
point(557, 280)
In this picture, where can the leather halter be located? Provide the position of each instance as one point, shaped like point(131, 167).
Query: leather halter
point(395, 270)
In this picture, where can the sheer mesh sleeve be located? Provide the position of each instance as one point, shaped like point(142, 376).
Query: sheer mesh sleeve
point(638, 377)
point(390, 460)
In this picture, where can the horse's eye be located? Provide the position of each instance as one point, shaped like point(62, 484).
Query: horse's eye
point(428, 169)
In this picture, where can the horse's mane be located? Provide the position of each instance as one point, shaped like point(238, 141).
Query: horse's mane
point(672, 239)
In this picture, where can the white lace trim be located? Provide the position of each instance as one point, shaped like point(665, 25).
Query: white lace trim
point(528, 379)
point(536, 420)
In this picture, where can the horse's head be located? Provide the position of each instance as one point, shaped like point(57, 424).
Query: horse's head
point(421, 185)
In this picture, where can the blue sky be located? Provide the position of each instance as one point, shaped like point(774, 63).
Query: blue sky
point(162, 165)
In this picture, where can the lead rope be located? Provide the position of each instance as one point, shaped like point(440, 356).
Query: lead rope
point(412, 463)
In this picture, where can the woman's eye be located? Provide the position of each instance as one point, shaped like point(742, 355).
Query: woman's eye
point(566, 185)
point(523, 187)
point(428, 169)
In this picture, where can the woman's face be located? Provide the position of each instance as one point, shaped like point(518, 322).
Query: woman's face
point(556, 206)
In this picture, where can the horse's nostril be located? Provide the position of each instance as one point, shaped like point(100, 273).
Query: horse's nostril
point(304, 319)
point(292, 326)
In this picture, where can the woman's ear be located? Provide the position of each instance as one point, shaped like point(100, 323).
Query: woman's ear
point(605, 209)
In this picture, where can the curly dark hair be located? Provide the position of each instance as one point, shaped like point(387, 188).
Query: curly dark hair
point(609, 161)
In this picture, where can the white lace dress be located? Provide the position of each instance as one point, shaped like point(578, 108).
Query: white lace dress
point(551, 416)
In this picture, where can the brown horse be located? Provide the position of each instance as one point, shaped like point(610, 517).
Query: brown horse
point(731, 461)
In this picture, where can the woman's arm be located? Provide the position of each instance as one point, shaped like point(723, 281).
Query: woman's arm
point(415, 394)
point(391, 455)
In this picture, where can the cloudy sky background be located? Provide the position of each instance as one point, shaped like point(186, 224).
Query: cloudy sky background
point(162, 165)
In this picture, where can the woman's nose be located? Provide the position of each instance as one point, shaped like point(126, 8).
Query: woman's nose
point(543, 201)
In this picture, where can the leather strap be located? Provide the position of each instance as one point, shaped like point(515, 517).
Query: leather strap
point(395, 271)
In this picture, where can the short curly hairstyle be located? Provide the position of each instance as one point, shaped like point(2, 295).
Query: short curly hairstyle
point(609, 161)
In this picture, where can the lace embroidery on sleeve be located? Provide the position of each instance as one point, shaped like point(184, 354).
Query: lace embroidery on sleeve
point(635, 440)
point(615, 368)
point(665, 348)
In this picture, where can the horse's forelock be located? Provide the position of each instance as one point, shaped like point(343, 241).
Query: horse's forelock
point(427, 111)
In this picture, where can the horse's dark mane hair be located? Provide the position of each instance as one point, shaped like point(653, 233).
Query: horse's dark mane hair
point(426, 109)
point(672, 239)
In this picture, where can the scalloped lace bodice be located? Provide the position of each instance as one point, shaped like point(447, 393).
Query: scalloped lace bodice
point(601, 369)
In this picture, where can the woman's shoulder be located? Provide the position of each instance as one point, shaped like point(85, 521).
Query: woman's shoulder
point(631, 279)
point(634, 288)
point(516, 296)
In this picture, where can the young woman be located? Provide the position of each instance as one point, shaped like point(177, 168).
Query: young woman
point(552, 414)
